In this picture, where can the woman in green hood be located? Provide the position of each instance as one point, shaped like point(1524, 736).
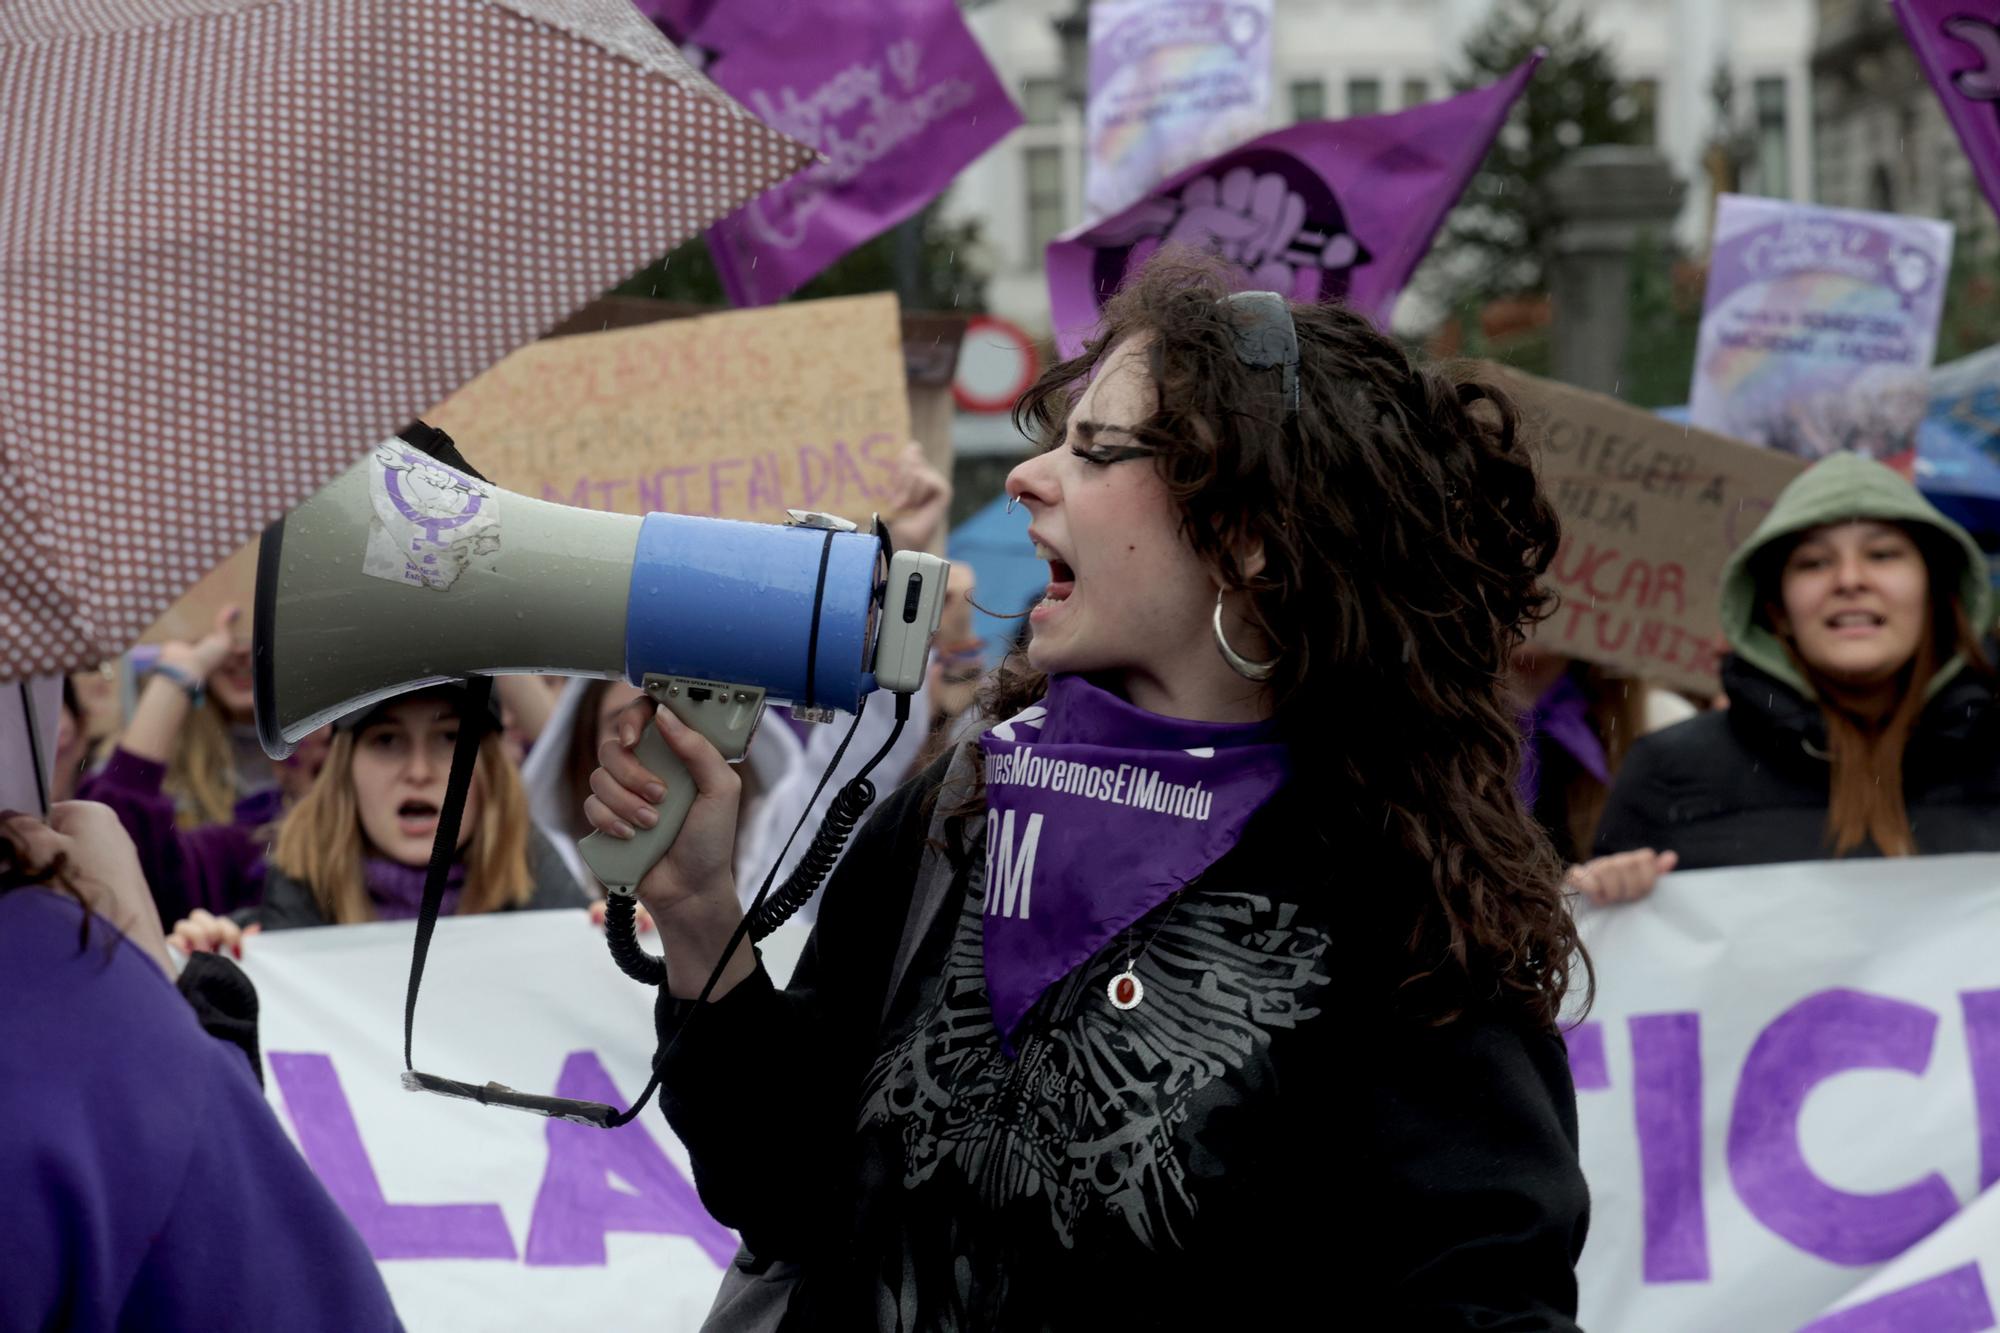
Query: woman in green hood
point(1861, 718)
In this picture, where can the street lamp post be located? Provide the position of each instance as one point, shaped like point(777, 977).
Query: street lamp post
point(1073, 49)
point(1073, 45)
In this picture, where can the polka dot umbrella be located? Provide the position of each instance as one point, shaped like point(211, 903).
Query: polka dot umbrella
point(242, 241)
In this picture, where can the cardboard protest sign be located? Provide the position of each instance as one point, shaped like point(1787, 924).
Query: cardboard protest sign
point(743, 414)
point(1650, 511)
point(1171, 82)
point(231, 583)
point(1818, 328)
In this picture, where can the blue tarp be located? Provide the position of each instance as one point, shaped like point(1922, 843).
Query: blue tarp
point(1958, 443)
point(995, 543)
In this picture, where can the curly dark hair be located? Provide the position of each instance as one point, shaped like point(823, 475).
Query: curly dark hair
point(1405, 538)
point(19, 870)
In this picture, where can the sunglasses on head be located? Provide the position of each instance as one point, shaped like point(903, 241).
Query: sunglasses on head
point(1267, 337)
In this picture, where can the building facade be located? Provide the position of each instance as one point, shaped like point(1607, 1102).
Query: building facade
point(1880, 137)
point(1337, 58)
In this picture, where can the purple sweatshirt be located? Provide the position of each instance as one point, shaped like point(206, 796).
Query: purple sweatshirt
point(149, 1185)
point(218, 866)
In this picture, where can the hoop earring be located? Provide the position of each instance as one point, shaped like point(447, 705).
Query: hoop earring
point(1241, 665)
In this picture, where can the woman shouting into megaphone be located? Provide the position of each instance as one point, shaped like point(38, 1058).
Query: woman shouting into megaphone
point(1217, 980)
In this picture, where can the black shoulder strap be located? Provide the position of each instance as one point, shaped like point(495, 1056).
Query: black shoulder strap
point(464, 757)
point(471, 729)
point(934, 877)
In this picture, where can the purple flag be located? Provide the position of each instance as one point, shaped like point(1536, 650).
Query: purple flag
point(1958, 44)
point(896, 96)
point(1096, 813)
point(676, 18)
point(1329, 209)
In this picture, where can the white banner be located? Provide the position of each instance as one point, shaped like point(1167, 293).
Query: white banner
point(1791, 1078)
point(1789, 1094)
point(483, 1218)
point(1171, 82)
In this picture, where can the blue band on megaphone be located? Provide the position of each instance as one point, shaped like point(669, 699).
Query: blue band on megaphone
point(733, 601)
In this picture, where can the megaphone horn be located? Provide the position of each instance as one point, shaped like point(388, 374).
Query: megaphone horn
point(404, 572)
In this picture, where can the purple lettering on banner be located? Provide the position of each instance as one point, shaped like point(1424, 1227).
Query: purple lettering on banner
point(578, 1202)
point(1666, 1109)
point(886, 460)
point(680, 476)
point(607, 489)
point(1953, 1302)
point(767, 488)
point(652, 492)
point(332, 1144)
point(845, 472)
point(1822, 1035)
point(812, 488)
point(1587, 1068)
point(576, 499)
point(1982, 1038)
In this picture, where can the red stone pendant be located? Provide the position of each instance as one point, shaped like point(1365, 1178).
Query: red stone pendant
point(1125, 990)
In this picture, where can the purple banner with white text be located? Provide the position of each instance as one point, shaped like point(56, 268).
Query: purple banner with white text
point(1320, 211)
point(896, 95)
point(1958, 44)
point(1788, 1094)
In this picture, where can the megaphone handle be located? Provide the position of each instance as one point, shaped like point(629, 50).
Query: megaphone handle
point(727, 715)
point(622, 862)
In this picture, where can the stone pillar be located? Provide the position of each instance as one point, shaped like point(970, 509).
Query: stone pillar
point(1606, 200)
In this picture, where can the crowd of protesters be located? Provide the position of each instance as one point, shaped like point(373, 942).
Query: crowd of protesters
point(1357, 622)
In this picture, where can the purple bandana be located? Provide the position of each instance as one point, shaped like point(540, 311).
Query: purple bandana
point(1563, 715)
point(1096, 812)
point(397, 890)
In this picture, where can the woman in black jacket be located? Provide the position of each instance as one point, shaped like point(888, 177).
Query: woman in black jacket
point(1190, 994)
point(1861, 718)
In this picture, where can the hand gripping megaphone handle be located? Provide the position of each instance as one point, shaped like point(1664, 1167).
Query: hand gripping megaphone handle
point(727, 715)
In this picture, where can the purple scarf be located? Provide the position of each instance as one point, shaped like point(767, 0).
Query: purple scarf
point(397, 890)
point(1096, 812)
point(1563, 715)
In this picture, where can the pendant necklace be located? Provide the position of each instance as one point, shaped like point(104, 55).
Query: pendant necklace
point(1125, 990)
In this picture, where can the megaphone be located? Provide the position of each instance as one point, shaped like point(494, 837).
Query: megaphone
point(404, 572)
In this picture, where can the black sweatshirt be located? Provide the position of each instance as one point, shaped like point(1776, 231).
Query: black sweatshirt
point(1261, 1136)
point(1750, 784)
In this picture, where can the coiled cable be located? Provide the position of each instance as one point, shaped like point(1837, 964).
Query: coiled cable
point(620, 914)
point(827, 844)
point(768, 911)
